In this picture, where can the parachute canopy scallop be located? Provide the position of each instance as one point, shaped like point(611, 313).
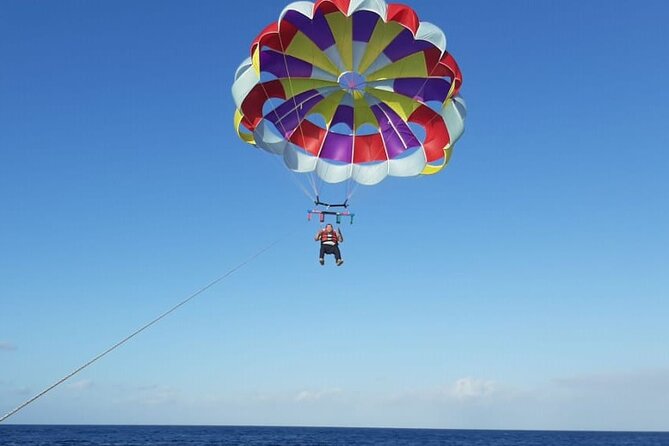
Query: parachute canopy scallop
point(351, 90)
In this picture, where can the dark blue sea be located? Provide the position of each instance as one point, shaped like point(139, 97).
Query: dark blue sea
point(27, 435)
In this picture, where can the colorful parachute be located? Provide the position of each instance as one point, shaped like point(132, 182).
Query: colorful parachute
point(351, 89)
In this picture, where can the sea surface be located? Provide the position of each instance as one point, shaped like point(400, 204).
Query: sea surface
point(29, 435)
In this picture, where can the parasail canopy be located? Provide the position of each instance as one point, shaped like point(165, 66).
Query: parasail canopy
point(351, 90)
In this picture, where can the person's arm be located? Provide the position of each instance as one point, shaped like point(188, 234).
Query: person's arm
point(318, 236)
point(340, 236)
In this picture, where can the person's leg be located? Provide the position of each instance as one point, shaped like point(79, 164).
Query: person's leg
point(321, 255)
point(336, 252)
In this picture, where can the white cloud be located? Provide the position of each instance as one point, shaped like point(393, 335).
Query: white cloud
point(462, 391)
point(471, 388)
point(81, 385)
point(7, 346)
point(8, 388)
point(636, 400)
point(311, 396)
point(148, 395)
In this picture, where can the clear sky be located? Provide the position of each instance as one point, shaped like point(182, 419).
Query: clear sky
point(524, 287)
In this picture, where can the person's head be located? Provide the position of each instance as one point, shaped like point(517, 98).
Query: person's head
point(328, 227)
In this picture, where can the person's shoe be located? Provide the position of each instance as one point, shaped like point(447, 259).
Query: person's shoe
point(339, 262)
point(321, 261)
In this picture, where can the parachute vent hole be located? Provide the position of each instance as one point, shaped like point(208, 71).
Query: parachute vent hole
point(418, 131)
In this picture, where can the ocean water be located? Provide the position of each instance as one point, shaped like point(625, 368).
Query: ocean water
point(27, 435)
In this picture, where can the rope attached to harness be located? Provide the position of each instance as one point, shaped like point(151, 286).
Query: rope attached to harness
point(141, 329)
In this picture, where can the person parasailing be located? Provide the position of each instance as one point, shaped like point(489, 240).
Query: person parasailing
point(346, 92)
point(330, 240)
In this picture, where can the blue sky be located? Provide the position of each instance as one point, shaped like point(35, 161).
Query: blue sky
point(524, 287)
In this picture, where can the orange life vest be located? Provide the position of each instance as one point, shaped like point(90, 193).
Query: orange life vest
point(329, 237)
